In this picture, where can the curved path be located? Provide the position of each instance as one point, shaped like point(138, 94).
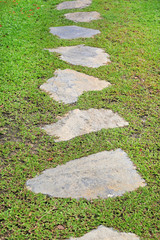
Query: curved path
point(105, 174)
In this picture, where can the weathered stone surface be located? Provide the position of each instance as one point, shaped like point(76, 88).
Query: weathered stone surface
point(73, 32)
point(78, 122)
point(74, 4)
point(67, 85)
point(83, 16)
point(105, 174)
point(83, 55)
point(104, 233)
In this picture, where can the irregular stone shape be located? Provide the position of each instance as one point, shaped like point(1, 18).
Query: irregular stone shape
point(68, 85)
point(104, 233)
point(73, 32)
point(78, 122)
point(105, 174)
point(83, 55)
point(83, 16)
point(74, 4)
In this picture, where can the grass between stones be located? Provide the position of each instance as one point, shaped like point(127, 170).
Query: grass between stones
point(129, 34)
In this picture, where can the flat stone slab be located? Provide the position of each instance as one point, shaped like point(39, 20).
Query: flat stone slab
point(104, 233)
point(82, 16)
point(83, 55)
point(78, 122)
point(105, 174)
point(73, 32)
point(74, 4)
point(67, 85)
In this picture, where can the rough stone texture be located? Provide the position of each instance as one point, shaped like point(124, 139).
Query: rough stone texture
point(105, 174)
point(74, 4)
point(78, 122)
point(73, 32)
point(83, 16)
point(83, 55)
point(104, 233)
point(67, 85)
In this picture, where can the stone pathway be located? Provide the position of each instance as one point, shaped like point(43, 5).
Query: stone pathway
point(82, 16)
point(78, 122)
point(73, 32)
point(104, 233)
point(74, 4)
point(104, 174)
point(67, 85)
point(83, 55)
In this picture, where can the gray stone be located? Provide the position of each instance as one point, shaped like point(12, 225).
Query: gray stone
point(105, 174)
point(74, 4)
point(104, 233)
point(83, 55)
point(83, 16)
point(73, 32)
point(78, 122)
point(67, 85)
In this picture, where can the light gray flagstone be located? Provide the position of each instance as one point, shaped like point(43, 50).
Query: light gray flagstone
point(78, 122)
point(83, 55)
point(67, 85)
point(73, 32)
point(104, 233)
point(74, 4)
point(104, 174)
point(83, 16)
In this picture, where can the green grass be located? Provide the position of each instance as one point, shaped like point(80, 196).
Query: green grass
point(129, 33)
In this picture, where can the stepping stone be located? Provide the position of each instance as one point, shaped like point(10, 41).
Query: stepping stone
point(78, 122)
point(73, 32)
point(83, 16)
point(74, 4)
point(105, 174)
point(83, 55)
point(104, 233)
point(67, 85)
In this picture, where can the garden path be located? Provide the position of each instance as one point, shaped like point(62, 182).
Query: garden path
point(104, 174)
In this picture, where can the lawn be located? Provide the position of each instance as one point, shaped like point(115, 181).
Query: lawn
point(130, 35)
